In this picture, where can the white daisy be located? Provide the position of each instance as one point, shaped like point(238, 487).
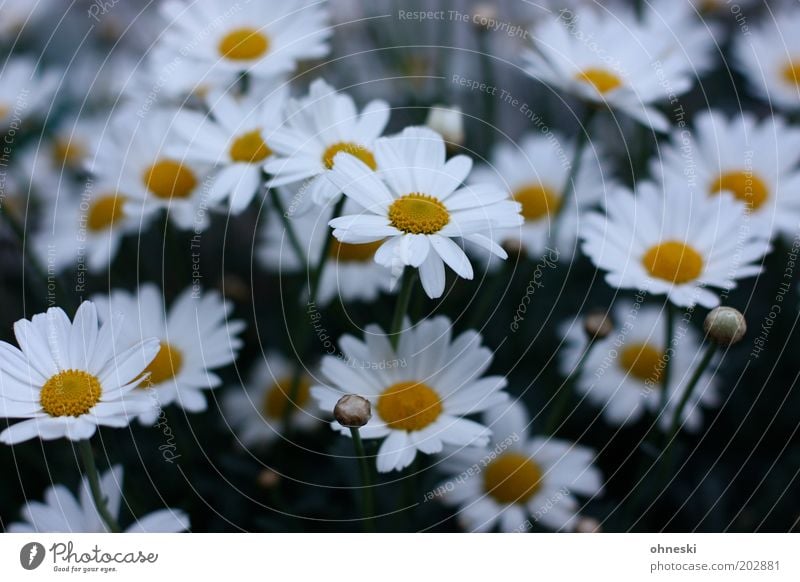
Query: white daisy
point(62, 512)
point(68, 378)
point(350, 273)
point(195, 336)
point(535, 172)
point(257, 413)
point(24, 92)
point(234, 138)
point(214, 38)
point(17, 16)
point(517, 480)
point(757, 162)
point(674, 243)
point(623, 373)
point(617, 59)
point(419, 392)
point(87, 231)
point(133, 155)
point(317, 128)
point(421, 207)
point(769, 57)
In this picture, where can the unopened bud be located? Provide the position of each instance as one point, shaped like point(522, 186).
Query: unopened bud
point(725, 326)
point(448, 121)
point(588, 525)
point(598, 325)
point(352, 411)
point(268, 479)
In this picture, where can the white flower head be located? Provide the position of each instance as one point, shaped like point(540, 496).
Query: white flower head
point(617, 59)
point(218, 40)
point(517, 479)
point(234, 138)
point(624, 372)
point(193, 337)
point(257, 413)
point(674, 242)
point(23, 91)
point(755, 161)
point(69, 377)
point(420, 392)
point(62, 512)
point(317, 129)
point(416, 204)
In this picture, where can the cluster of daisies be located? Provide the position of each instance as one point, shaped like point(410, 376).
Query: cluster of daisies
point(217, 120)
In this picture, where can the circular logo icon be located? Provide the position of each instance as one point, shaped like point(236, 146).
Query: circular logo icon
point(31, 555)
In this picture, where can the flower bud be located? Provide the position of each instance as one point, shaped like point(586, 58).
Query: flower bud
point(725, 326)
point(588, 525)
point(352, 411)
point(598, 325)
point(268, 479)
point(449, 122)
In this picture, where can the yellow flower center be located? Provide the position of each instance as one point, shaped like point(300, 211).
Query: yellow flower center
point(353, 253)
point(418, 214)
point(70, 393)
point(278, 397)
point(105, 211)
point(409, 406)
point(643, 362)
point(353, 149)
point(673, 261)
point(67, 152)
point(3, 111)
point(791, 72)
point(165, 366)
point(512, 478)
point(745, 186)
point(250, 148)
point(537, 201)
point(244, 44)
point(601, 79)
point(169, 179)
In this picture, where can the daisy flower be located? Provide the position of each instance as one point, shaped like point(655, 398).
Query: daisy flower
point(535, 172)
point(88, 230)
point(17, 15)
point(234, 138)
point(256, 414)
point(769, 57)
point(317, 128)
point(420, 392)
point(133, 155)
point(194, 337)
point(615, 59)
point(421, 208)
point(69, 377)
point(518, 479)
point(63, 512)
point(756, 162)
point(674, 243)
point(23, 92)
point(351, 272)
point(215, 38)
point(623, 373)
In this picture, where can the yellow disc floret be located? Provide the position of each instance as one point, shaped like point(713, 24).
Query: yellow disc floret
point(745, 186)
point(168, 179)
point(601, 79)
point(353, 149)
point(512, 478)
point(409, 406)
point(418, 214)
point(278, 397)
point(673, 261)
point(244, 44)
point(642, 361)
point(537, 201)
point(250, 148)
point(165, 366)
point(104, 212)
point(70, 393)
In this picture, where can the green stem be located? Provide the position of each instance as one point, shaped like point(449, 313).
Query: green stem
point(562, 399)
point(87, 457)
point(316, 276)
point(401, 307)
point(367, 499)
point(574, 168)
point(294, 242)
point(666, 374)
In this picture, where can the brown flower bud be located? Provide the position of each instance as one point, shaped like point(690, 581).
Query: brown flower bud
point(268, 479)
point(597, 324)
point(725, 326)
point(352, 411)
